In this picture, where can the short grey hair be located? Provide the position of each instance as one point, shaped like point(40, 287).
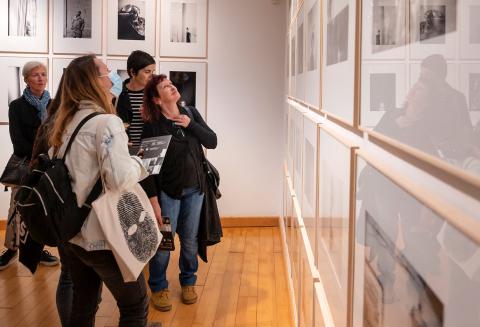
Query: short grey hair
point(29, 66)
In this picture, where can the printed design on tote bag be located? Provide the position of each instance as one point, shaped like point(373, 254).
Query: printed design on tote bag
point(138, 227)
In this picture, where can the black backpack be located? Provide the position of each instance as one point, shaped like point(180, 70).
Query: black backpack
point(46, 202)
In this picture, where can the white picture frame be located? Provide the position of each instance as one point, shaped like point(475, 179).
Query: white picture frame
point(298, 154)
point(382, 83)
point(312, 53)
point(28, 34)
point(58, 65)
point(293, 73)
point(131, 36)
point(68, 34)
point(469, 29)
point(300, 55)
point(440, 39)
point(13, 83)
point(339, 59)
point(384, 29)
point(196, 70)
point(183, 30)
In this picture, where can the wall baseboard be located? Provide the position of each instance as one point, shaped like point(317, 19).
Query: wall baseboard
point(226, 222)
point(249, 221)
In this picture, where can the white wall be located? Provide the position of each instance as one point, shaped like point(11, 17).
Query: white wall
point(244, 107)
point(245, 103)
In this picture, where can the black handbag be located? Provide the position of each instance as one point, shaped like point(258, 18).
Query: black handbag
point(213, 177)
point(15, 171)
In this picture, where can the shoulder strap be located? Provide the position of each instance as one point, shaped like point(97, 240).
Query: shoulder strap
point(77, 129)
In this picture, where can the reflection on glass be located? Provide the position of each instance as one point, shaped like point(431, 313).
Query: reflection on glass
point(332, 225)
point(414, 269)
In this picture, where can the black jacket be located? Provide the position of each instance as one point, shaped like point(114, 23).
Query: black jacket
point(23, 124)
point(172, 177)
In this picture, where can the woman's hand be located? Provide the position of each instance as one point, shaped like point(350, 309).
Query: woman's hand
point(157, 210)
point(182, 120)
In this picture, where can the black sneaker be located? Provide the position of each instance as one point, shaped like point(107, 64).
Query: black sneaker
point(7, 258)
point(48, 259)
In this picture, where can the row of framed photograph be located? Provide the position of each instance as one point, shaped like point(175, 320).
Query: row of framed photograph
point(384, 249)
point(405, 70)
point(190, 78)
point(77, 26)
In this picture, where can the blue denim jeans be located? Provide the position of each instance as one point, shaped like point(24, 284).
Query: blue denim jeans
point(184, 216)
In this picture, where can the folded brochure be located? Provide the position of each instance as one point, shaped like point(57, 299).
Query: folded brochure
point(154, 150)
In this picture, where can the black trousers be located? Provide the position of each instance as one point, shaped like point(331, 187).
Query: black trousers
point(89, 269)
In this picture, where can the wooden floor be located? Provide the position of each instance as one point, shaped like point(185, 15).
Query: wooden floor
point(243, 284)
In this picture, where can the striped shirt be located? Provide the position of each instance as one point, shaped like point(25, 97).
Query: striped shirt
point(136, 126)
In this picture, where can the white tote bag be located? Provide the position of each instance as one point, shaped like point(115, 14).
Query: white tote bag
point(131, 230)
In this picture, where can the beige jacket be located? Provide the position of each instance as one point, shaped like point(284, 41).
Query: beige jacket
point(99, 148)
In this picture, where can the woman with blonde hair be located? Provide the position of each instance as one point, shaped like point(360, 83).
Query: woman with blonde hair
point(100, 148)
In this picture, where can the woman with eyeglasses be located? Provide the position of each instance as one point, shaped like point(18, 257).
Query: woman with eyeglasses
point(179, 188)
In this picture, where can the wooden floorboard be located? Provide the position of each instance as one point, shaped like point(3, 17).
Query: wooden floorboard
point(244, 283)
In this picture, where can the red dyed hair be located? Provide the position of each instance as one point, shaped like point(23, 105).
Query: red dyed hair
point(151, 110)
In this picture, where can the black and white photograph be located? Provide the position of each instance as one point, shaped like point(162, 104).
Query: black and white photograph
point(15, 83)
point(183, 31)
point(474, 28)
point(402, 293)
point(432, 26)
point(313, 29)
point(337, 37)
point(131, 20)
point(123, 73)
point(388, 27)
point(22, 17)
point(186, 84)
point(300, 49)
point(183, 22)
point(382, 91)
point(77, 19)
point(474, 91)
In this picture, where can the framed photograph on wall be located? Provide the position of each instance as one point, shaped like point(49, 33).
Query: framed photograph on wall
point(118, 66)
point(433, 28)
point(58, 66)
point(334, 218)
point(77, 26)
point(339, 59)
point(470, 29)
point(411, 264)
point(300, 55)
point(451, 74)
point(470, 86)
point(310, 173)
point(298, 153)
point(183, 28)
point(24, 27)
point(383, 29)
point(131, 26)
point(312, 53)
point(293, 71)
point(190, 78)
point(383, 89)
point(13, 83)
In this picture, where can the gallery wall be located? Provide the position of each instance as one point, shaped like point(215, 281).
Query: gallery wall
point(391, 124)
point(227, 92)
